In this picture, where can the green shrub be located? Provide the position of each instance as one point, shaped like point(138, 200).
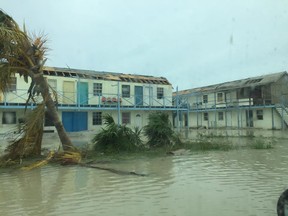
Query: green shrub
point(159, 130)
point(206, 144)
point(261, 143)
point(117, 138)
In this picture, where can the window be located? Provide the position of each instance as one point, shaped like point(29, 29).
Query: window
point(205, 98)
point(206, 116)
point(160, 93)
point(97, 118)
point(48, 120)
point(126, 118)
point(220, 116)
point(259, 114)
point(53, 84)
point(220, 97)
point(125, 91)
point(186, 119)
point(13, 84)
point(9, 118)
point(97, 89)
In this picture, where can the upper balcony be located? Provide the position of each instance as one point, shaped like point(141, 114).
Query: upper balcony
point(88, 101)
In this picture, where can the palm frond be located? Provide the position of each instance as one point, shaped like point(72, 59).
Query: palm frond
point(54, 94)
point(6, 75)
point(21, 54)
point(159, 129)
point(30, 138)
point(108, 120)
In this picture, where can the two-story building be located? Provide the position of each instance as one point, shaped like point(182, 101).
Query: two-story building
point(257, 102)
point(84, 96)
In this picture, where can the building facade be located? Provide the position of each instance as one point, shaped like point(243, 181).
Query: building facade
point(84, 96)
point(257, 102)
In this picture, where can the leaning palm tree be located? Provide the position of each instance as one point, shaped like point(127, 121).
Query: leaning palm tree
point(23, 55)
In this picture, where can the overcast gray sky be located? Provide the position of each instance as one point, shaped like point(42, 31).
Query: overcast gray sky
point(190, 42)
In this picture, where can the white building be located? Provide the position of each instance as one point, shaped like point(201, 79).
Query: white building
point(257, 102)
point(84, 96)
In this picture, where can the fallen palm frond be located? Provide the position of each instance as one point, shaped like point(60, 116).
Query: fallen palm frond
point(28, 142)
point(74, 158)
point(40, 163)
point(70, 157)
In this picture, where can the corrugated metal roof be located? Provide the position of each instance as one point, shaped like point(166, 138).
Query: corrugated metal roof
point(252, 81)
point(102, 75)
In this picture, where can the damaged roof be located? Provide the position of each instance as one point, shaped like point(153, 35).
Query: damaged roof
point(101, 75)
point(248, 82)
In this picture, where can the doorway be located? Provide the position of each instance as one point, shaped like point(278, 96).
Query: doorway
point(138, 95)
point(249, 118)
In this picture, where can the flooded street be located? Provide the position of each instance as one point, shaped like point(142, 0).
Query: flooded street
point(227, 183)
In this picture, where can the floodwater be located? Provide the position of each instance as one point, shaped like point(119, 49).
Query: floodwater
point(227, 183)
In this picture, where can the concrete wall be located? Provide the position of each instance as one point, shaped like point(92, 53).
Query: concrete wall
point(235, 118)
point(110, 90)
point(18, 96)
point(279, 91)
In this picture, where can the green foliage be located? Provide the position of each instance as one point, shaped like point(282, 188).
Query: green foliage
point(202, 145)
point(113, 138)
point(208, 142)
point(176, 138)
point(159, 130)
point(261, 143)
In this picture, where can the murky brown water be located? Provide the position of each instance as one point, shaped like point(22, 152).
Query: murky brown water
point(234, 183)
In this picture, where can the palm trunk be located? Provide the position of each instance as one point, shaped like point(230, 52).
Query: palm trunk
point(51, 108)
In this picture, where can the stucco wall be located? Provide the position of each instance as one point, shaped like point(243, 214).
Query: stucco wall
point(235, 119)
point(110, 90)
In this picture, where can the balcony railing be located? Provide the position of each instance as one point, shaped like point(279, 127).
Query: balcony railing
point(193, 104)
point(73, 99)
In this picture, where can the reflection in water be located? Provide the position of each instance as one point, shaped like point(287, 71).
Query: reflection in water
point(238, 182)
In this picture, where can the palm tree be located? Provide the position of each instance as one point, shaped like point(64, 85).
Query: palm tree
point(117, 138)
point(159, 130)
point(23, 55)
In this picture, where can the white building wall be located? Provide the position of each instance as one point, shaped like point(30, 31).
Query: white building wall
point(110, 90)
point(236, 118)
point(10, 127)
point(138, 118)
point(18, 96)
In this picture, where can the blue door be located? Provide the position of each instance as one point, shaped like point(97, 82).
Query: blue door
point(138, 95)
point(67, 120)
point(75, 121)
point(82, 93)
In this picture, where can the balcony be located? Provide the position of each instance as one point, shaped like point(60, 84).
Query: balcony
point(74, 100)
